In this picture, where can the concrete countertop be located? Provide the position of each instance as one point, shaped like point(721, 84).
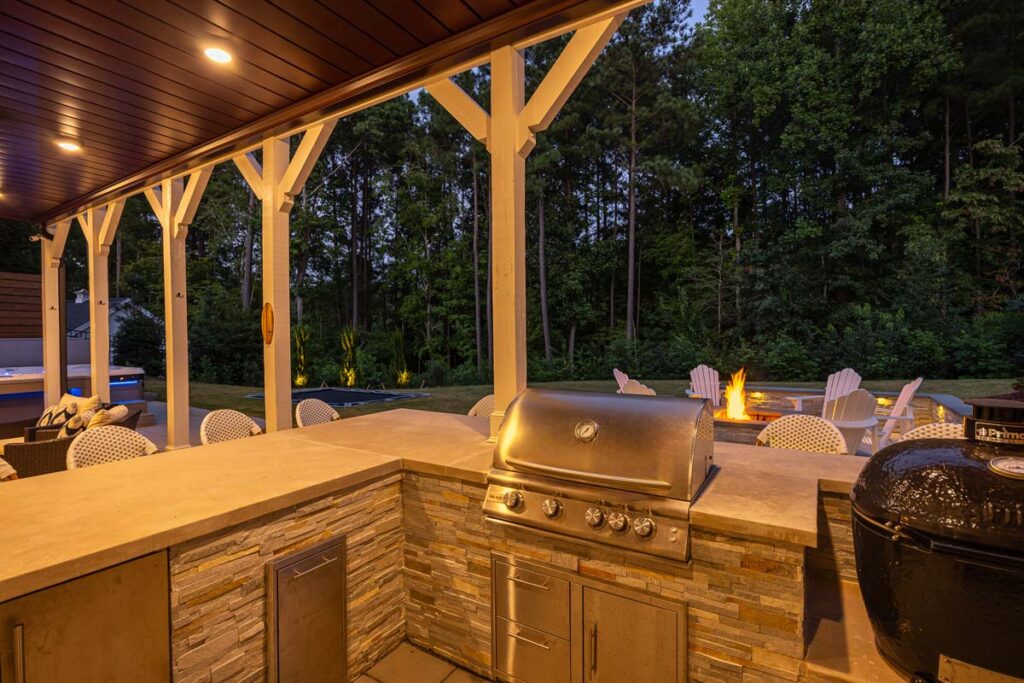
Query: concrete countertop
point(67, 524)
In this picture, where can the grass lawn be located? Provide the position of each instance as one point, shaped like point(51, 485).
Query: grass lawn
point(461, 399)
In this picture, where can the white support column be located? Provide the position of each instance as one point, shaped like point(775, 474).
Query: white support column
point(175, 205)
point(52, 252)
point(509, 133)
point(508, 230)
point(99, 226)
point(276, 184)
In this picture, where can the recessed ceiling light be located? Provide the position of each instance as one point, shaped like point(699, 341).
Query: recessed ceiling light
point(217, 55)
point(69, 146)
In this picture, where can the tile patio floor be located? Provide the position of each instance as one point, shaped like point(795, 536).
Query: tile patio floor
point(409, 664)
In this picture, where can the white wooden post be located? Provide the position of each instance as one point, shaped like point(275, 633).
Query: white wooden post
point(509, 133)
point(52, 252)
point(99, 226)
point(175, 205)
point(276, 184)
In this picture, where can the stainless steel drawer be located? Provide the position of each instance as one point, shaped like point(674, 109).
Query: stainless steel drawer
point(532, 599)
point(307, 626)
point(530, 656)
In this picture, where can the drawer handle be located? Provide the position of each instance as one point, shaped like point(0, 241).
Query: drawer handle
point(542, 646)
point(325, 561)
point(19, 653)
point(531, 584)
point(593, 650)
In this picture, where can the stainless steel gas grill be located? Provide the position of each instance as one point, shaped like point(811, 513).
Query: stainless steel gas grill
point(615, 469)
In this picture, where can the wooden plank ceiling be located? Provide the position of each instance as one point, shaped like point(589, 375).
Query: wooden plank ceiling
point(129, 82)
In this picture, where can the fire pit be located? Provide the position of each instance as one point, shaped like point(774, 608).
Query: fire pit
point(740, 421)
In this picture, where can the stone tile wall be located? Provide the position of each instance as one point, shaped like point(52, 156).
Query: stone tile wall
point(218, 602)
point(746, 598)
point(834, 554)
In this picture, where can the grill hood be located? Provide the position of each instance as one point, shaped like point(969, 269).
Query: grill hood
point(654, 445)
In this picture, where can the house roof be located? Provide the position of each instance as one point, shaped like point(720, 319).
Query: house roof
point(77, 314)
point(130, 84)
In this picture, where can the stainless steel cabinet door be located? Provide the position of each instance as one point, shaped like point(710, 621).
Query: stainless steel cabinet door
point(627, 640)
point(308, 636)
point(111, 626)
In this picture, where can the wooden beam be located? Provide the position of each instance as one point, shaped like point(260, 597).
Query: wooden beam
point(277, 359)
point(251, 172)
point(175, 205)
point(563, 78)
point(463, 107)
point(299, 168)
point(508, 230)
point(525, 26)
point(100, 226)
point(53, 338)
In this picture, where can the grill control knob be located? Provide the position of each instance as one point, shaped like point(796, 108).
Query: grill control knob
point(594, 517)
point(512, 499)
point(618, 521)
point(551, 507)
point(643, 527)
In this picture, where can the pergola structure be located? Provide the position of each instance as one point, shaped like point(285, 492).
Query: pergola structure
point(122, 86)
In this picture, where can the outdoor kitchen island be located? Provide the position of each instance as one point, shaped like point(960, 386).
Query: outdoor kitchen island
point(407, 488)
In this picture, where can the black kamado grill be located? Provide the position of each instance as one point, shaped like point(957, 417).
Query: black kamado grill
point(938, 529)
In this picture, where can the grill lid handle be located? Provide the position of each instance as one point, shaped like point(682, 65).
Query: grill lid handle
point(607, 479)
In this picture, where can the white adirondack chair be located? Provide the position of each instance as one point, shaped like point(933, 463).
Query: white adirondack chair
point(620, 378)
point(704, 383)
point(902, 413)
point(853, 415)
point(633, 387)
point(838, 384)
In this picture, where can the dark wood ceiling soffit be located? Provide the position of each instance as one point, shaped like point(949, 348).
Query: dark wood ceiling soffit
point(129, 82)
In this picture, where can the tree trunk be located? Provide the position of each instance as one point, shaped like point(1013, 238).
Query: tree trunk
point(117, 266)
point(631, 251)
point(739, 244)
point(572, 344)
point(476, 277)
point(300, 269)
point(721, 261)
point(945, 178)
point(354, 255)
point(247, 255)
point(542, 267)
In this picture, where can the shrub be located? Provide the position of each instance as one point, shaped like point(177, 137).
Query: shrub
point(139, 342)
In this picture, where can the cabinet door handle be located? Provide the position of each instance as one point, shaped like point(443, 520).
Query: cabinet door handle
point(324, 562)
point(19, 653)
point(543, 646)
point(531, 584)
point(593, 650)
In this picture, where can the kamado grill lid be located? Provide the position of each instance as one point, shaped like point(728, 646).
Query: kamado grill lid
point(966, 490)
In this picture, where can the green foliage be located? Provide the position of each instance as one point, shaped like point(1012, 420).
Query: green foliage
point(783, 167)
point(138, 343)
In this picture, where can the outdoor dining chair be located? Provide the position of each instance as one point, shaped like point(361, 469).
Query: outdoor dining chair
point(935, 430)
point(226, 425)
point(803, 433)
point(482, 408)
point(313, 411)
point(107, 444)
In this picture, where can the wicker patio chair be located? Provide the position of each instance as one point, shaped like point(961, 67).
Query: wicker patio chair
point(313, 411)
point(803, 433)
point(936, 430)
point(482, 408)
point(226, 425)
point(44, 452)
point(107, 444)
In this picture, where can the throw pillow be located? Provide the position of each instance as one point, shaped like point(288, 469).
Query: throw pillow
point(109, 416)
point(75, 425)
point(56, 415)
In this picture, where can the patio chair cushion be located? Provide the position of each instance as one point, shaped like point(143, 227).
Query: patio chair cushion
point(106, 416)
point(76, 424)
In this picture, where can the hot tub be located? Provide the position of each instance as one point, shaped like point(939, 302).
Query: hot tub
point(21, 388)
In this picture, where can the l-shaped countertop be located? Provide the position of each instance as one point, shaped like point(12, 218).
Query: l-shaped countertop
point(64, 525)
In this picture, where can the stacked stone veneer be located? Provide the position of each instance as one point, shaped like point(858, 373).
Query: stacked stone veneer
point(218, 598)
point(834, 554)
point(745, 598)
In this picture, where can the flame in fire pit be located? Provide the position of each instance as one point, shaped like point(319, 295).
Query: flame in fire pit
point(736, 397)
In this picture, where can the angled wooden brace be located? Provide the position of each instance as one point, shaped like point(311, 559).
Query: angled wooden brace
point(52, 251)
point(563, 78)
point(463, 107)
